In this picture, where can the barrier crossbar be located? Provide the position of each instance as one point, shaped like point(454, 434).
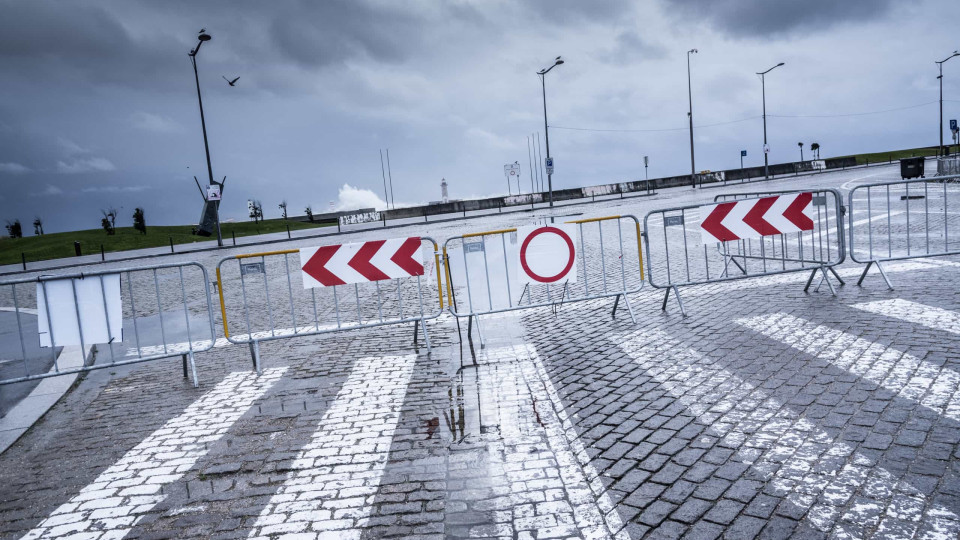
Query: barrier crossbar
point(129, 315)
point(262, 298)
point(483, 267)
point(678, 256)
point(906, 219)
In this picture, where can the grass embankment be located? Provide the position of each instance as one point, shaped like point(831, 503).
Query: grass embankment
point(59, 245)
point(893, 156)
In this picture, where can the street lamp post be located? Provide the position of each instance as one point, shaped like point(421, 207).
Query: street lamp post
point(203, 124)
point(546, 133)
point(763, 86)
point(693, 168)
point(940, 78)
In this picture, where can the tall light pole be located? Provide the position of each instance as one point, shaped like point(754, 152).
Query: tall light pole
point(763, 86)
point(546, 133)
point(940, 78)
point(693, 168)
point(203, 124)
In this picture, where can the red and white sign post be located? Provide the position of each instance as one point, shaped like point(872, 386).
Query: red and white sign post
point(756, 218)
point(361, 262)
point(547, 254)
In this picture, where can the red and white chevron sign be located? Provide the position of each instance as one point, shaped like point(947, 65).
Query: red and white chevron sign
point(755, 218)
point(361, 262)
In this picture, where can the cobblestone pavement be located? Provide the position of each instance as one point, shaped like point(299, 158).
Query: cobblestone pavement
point(767, 412)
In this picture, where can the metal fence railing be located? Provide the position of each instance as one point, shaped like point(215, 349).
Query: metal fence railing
point(263, 298)
point(753, 234)
point(130, 315)
point(905, 219)
point(484, 269)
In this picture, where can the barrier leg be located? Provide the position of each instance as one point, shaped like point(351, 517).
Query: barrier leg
point(616, 301)
point(480, 332)
point(626, 302)
point(426, 337)
point(809, 281)
point(676, 292)
point(826, 278)
point(193, 370)
point(864, 273)
point(416, 325)
point(665, 298)
point(183, 357)
point(836, 275)
point(255, 354)
point(884, 275)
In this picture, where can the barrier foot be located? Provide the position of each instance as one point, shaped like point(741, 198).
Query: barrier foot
point(255, 354)
point(665, 297)
point(193, 369)
point(480, 332)
point(616, 301)
point(676, 292)
point(824, 278)
point(183, 357)
point(626, 302)
point(426, 338)
point(884, 275)
point(416, 325)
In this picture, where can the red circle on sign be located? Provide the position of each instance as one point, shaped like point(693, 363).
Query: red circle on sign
point(523, 254)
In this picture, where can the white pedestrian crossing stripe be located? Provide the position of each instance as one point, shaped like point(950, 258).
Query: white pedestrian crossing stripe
point(783, 447)
point(337, 476)
point(903, 374)
point(117, 499)
point(913, 312)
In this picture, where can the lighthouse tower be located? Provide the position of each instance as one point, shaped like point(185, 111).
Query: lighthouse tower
point(443, 190)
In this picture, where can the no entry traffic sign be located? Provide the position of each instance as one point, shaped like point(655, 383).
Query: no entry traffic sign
point(547, 254)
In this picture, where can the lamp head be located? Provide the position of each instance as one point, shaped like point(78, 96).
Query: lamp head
point(694, 51)
point(558, 62)
point(204, 36)
point(780, 64)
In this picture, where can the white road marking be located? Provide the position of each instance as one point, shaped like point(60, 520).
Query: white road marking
point(116, 500)
point(338, 473)
point(905, 310)
point(903, 374)
point(526, 405)
point(780, 444)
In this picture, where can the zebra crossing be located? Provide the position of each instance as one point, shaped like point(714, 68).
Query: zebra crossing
point(539, 477)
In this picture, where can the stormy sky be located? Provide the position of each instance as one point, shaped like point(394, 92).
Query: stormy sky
point(98, 104)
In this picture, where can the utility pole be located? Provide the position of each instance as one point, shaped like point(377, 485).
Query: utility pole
point(546, 132)
point(203, 124)
point(940, 78)
point(766, 149)
point(693, 167)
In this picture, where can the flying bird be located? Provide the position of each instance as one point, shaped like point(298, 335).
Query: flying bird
point(202, 30)
point(231, 83)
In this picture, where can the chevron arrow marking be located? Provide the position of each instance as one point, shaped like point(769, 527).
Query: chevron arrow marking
point(755, 218)
point(361, 262)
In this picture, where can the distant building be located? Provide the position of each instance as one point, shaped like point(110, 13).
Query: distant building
point(443, 190)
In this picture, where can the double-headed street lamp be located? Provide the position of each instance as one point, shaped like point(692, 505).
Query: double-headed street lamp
point(763, 86)
point(940, 78)
point(203, 124)
point(546, 133)
point(693, 168)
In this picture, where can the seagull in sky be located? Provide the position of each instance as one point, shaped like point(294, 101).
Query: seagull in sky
point(231, 83)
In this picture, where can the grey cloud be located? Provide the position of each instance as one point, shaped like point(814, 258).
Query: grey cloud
point(13, 168)
point(759, 18)
point(629, 47)
point(85, 165)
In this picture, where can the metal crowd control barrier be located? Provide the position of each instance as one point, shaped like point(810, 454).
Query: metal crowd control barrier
point(906, 219)
point(677, 257)
point(484, 266)
point(261, 301)
point(130, 315)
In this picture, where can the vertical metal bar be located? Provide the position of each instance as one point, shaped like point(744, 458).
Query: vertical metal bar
point(908, 217)
point(336, 305)
point(827, 223)
point(486, 270)
point(400, 298)
point(763, 254)
point(23, 346)
point(603, 259)
point(53, 344)
point(506, 269)
point(246, 308)
point(666, 247)
point(466, 269)
point(186, 314)
point(820, 233)
point(293, 313)
point(379, 301)
point(266, 291)
point(800, 249)
point(869, 222)
point(76, 306)
point(583, 257)
point(946, 231)
point(316, 317)
point(706, 261)
point(623, 269)
point(783, 250)
point(133, 311)
point(926, 215)
point(356, 292)
point(686, 255)
point(889, 233)
point(163, 332)
point(106, 318)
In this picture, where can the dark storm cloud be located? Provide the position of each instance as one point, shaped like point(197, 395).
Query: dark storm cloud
point(759, 18)
point(574, 12)
point(629, 47)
